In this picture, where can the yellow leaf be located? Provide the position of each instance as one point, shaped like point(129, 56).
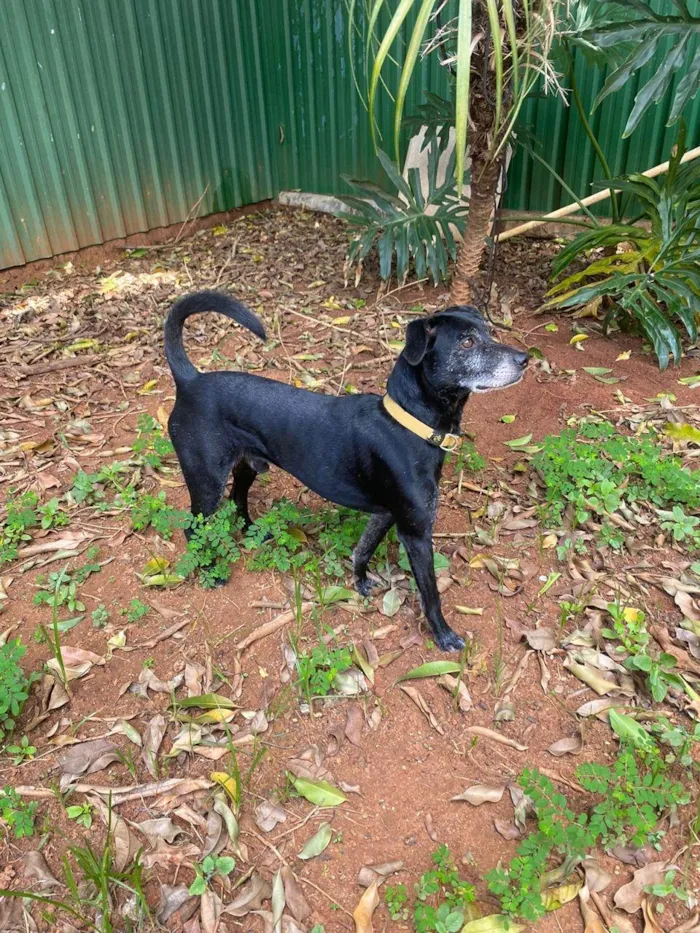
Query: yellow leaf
point(220, 230)
point(109, 284)
point(630, 614)
point(147, 387)
point(396, 344)
point(82, 345)
point(342, 320)
point(625, 355)
point(157, 565)
point(332, 304)
point(228, 782)
point(362, 915)
point(263, 673)
point(494, 923)
point(683, 432)
point(578, 338)
point(549, 541)
point(297, 534)
point(162, 417)
point(554, 898)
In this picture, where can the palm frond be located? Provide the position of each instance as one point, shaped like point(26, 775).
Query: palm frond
point(408, 227)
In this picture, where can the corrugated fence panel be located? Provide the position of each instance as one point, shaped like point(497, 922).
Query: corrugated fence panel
point(120, 116)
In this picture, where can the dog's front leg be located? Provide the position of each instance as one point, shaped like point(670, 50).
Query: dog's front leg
point(419, 547)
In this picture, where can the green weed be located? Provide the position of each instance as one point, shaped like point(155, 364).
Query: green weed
point(212, 546)
point(318, 669)
point(442, 897)
point(151, 446)
point(629, 628)
point(212, 865)
point(81, 813)
point(592, 472)
point(22, 752)
point(396, 897)
point(635, 792)
point(136, 610)
point(17, 815)
point(14, 685)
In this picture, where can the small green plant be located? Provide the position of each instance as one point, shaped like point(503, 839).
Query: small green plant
point(17, 815)
point(629, 628)
point(81, 813)
point(22, 752)
point(318, 669)
point(212, 865)
point(91, 890)
point(593, 471)
point(154, 512)
point(61, 588)
point(151, 446)
point(136, 610)
point(52, 515)
point(635, 790)
point(396, 897)
point(559, 832)
point(100, 617)
point(14, 685)
point(682, 527)
point(442, 897)
point(212, 547)
point(467, 458)
point(21, 516)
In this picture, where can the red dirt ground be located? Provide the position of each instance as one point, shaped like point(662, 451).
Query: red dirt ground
point(406, 771)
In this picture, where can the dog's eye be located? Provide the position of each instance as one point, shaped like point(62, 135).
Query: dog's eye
point(468, 343)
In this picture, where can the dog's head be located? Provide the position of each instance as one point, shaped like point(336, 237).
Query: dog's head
point(458, 354)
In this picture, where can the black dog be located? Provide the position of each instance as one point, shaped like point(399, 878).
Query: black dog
point(382, 456)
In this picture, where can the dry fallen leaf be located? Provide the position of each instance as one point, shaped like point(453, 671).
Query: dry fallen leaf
point(86, 758)
point(571, 745)
point(353, 726)
point(417, 698)
point(268, 815)
point(296, 902)
point(591, 920)
point(152, 739)
point(507, 830)
point(362, 915)
point(36, 869)
point(481, 793)
point(495, 737)
point(629, 896)
point(158, 828)
point(370, 873)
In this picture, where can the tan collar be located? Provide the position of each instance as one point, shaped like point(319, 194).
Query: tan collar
point(436, 438)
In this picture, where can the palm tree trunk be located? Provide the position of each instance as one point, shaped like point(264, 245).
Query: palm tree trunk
point(484, 179)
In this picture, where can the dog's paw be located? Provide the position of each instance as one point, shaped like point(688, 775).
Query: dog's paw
point(450, 641)
point(363, 586)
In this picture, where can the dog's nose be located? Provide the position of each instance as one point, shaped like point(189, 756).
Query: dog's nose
point(522, 359)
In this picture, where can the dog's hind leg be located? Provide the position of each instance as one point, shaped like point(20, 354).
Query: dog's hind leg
point(243, 478)
point(377, 526)
point(419, 547)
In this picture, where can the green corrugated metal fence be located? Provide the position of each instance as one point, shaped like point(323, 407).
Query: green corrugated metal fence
point(118, 116)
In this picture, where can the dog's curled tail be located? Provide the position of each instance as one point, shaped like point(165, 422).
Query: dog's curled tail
point(180, 364)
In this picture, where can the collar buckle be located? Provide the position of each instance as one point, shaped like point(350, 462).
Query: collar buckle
point(450, 442)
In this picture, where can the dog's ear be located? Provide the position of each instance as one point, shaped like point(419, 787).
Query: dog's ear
point(418, 333)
